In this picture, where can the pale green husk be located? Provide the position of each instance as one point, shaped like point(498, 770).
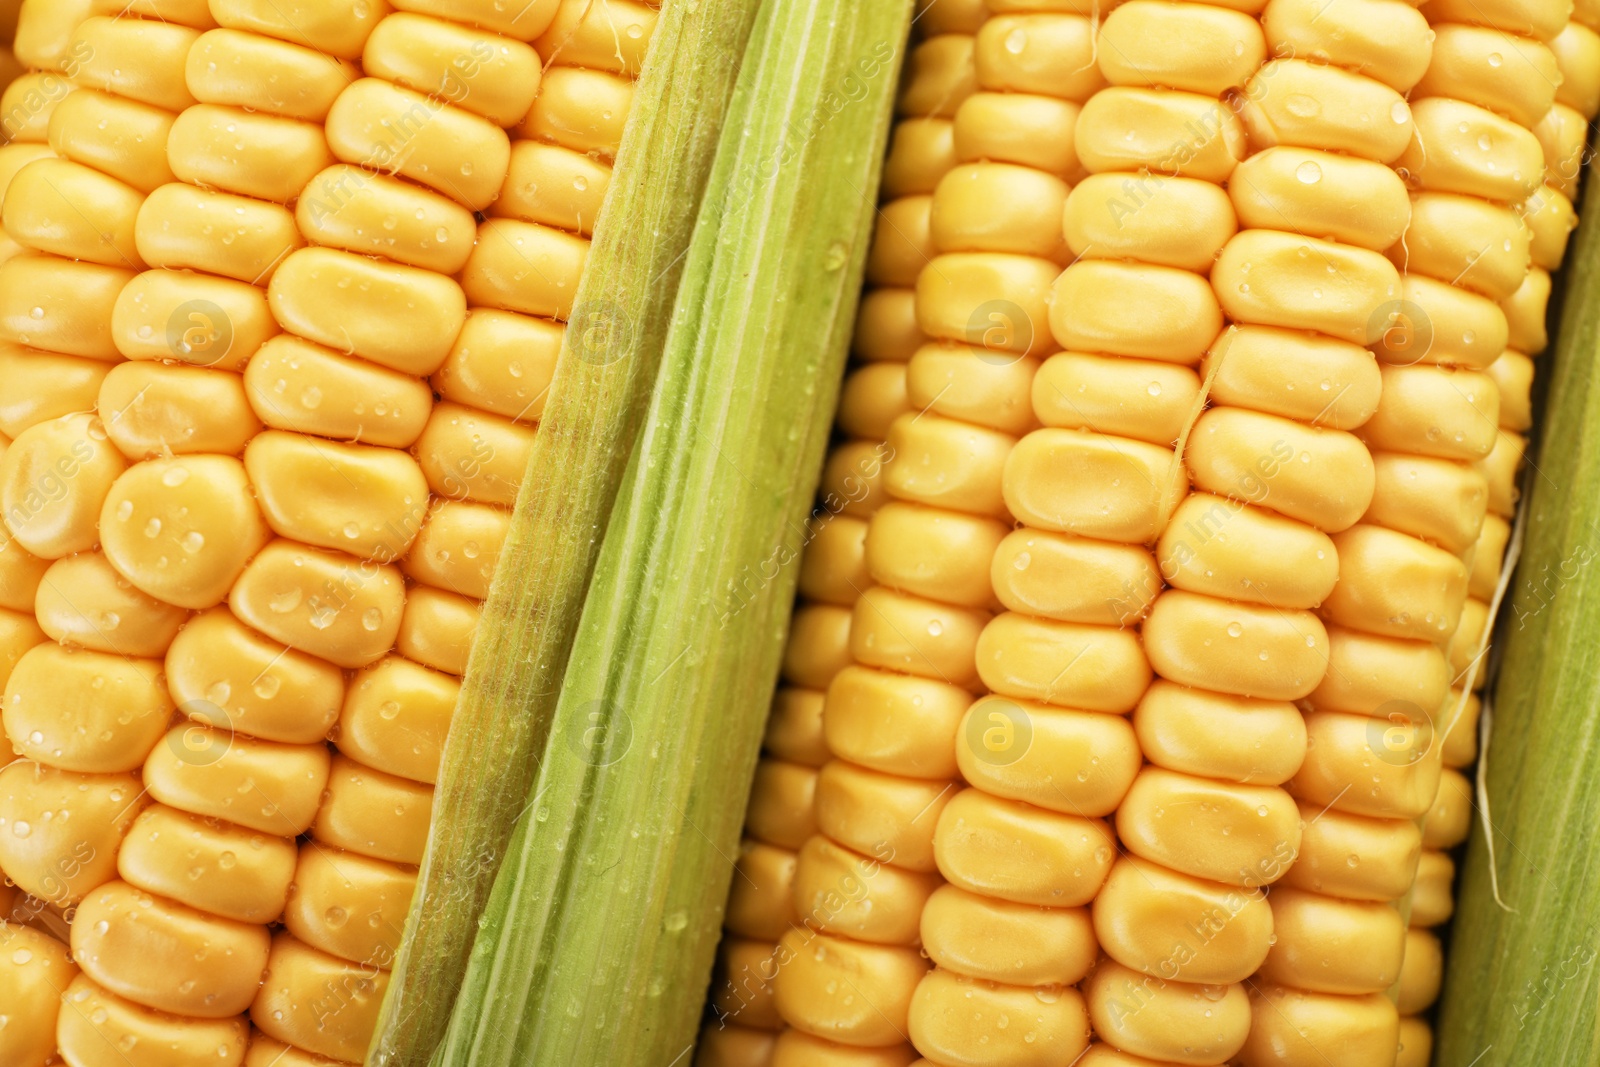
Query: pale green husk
point(602, 383)
point(1522, 984)
point(597, 943)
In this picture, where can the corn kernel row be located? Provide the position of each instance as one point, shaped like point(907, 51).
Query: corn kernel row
point(781, 824)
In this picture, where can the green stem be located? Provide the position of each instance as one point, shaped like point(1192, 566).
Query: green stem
point(1522, 984)
point(603, 378)
point(598, 940)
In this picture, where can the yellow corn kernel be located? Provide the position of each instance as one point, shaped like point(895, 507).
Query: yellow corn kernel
point(795, 727)
point(66, 208)
point(883, 815)
point(177, 223)
point(1225, 737)
point(1416, 1043)
point(60, 305)
point(1322, 195)
point(85, 602)
point(1341, 749)
point(501, 363)
point(939, 74)
point(1312, 285)
point(554, 186)
point(950, 1012)
point(1200, 49)
point(1504, 72)
point(900, 725)
point(400, 317)
point(29, 103)
point(348, 905)
point(20, 574)
point(846, 893)
point(166, 956)
point(1433, 411)
point(1460, 745)
point(1396, 585)
point(1450, 819)
point(18, 633)
point(1500, 467)
point(182, 530)
point(1465, 241)
point(1323, 478)
point(1422, 973)
point(933, 553)
point(222, 672)
point(482, 72)
point(62, 860)
point(54, 478)
point(762, 907)
point(192, 318)
point(1372, 37)
point(1488, 555)
point(1461, 148)
point(1074, 579)
point(1524, 17)
point(1134, 309)
point(1012, 851)
point(743, 1047)
point(1033, 131)
point(1551, 218)
point(42, 386)
point(1563, 137)
point(1358, 115)
point(100, 1029)
point(1512, 375)
point(612, 37)
point(1525, 313)
point(395, 717)
point(1367, 672)
point(1147, 918)
point(336, 27)
point(523, 23)
point(1435, 322)
point(796, 1048)
point(945, 463)
point(238, 151)
point(196, 13)
point(581, 110)
point(1305, 377)
point(1438, 500)
point(44, 35)
point(155, 408)
point(1168, 132)
point(742, 984)
point(141, 59)
point(920, 151)
point(781, 804)
point(323, 603)
point(261, 785)
point(816, 988)
point(373, 214)
point(1176, 1022)
point(990, 298)
point(853, 478)
point(982, 937)
point(288, 379)
point(1577, 55)
point(123, 138)
point(819, 645)
point(214, 866)
point(35, 973)
point(1292, 1026)
point(317, 1002)
point(1046, 54)
point(1432, 902)
point(1014, 751)
point(1354, 856)
point(1030, 659)
point(437, 629)
point(85, 711)
point(1219, 831)
point(1227, 549)
point(1173, 222)
point(369, 502)
point(373, 813)
point(458, 547)
point(1048, 472)
point(1468, 642)
point(248, 70)
point(1277, 655)
point(525, 267)
point(1327, 945)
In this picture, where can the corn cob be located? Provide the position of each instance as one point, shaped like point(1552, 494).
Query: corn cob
point(833, 570)
point(337, 491)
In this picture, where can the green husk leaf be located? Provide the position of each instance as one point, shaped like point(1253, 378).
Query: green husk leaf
point(1522, 986)
point(598, 940)
point(607, 366)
